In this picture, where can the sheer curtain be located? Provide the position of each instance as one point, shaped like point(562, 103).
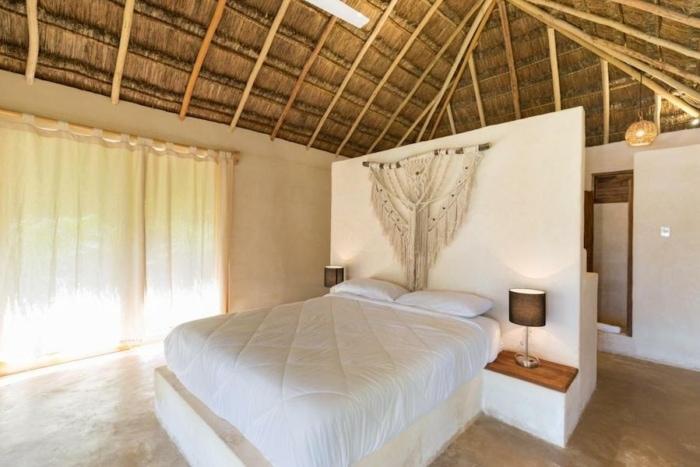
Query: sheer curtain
point(104, 243)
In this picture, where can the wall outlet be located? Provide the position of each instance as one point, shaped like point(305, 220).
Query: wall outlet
point(665, 231)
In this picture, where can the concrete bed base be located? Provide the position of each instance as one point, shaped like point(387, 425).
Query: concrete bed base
point(207, 440)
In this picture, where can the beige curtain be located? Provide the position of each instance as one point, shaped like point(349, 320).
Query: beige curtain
point(104, 243)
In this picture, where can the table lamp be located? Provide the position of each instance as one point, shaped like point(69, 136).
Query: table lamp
point(527, 307)
point(333, 275)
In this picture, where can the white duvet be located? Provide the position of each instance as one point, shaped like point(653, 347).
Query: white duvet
point(327, 381)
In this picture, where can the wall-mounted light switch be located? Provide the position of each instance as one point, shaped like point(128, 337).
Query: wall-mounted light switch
point(665, 231)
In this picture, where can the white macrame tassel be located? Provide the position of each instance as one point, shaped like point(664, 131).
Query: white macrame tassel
point(422, 204)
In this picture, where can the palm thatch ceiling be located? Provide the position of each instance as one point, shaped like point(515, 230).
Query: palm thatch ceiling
point(419, 68)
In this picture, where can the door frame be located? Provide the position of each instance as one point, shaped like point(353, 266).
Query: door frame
point(630, 238)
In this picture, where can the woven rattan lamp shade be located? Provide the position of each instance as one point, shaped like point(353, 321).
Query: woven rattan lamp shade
point(641, 133)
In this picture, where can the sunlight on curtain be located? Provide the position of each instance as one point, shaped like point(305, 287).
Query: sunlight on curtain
point(102, 244)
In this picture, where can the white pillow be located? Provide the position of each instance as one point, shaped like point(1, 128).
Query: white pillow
point(448, 301)
point(370, 288)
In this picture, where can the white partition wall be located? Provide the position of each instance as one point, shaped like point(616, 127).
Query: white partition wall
point(523, 229)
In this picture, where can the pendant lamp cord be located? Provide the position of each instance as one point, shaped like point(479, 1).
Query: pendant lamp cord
point(639, 109)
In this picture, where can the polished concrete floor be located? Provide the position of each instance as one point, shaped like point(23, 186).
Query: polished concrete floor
point(98, 412)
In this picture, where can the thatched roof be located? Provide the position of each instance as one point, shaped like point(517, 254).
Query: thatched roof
point(79, 41)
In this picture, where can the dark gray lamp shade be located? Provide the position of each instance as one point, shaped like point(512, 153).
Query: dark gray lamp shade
point(527, 307)
point(333, 275)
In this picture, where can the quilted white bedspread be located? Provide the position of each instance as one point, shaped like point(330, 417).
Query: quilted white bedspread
point(327, 381)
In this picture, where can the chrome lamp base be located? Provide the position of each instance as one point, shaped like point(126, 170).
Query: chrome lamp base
point(527, 361)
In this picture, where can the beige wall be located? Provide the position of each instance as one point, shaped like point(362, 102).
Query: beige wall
point(281, 195)
point(523, 227)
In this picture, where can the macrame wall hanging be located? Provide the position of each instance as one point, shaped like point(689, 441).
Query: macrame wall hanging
point(421, 202)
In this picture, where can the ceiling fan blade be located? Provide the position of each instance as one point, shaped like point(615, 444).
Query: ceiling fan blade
point(342, 11)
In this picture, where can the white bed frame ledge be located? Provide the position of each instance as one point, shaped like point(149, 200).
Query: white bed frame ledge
point(205, 440)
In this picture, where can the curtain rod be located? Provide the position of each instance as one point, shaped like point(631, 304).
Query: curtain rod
point(481, 147)
point(108, 135)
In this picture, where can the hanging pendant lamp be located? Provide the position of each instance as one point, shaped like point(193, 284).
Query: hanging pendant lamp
point(642, 132)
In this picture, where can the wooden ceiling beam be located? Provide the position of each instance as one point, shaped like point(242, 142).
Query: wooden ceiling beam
point(554, 66)
point(201, 55)
point(426, 72)
point(422, 115)
point(33, 48)
point(450, 93)
point(365, 47)
point(455, 84)
point(679, 48)
point(407, 45)
point(477, 92)
point(505, 27)
point(585, 40)
point(484, 12)
point(662, 12)
point(606, 100)
point(659, 65)
point(302, 76)
point(259, 62)
point(639, 65)
point(451, 120)
point(123, 48)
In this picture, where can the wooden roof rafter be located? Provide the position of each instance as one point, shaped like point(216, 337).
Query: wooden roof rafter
point(661, 11)
point(259, 62)
point(407, 45)
point(587, 42)
point(377, 27)
point(477, 91)
point(477, 26)
point(426, 72)
point(302, 75)
point(679, 48)
point(201, 55)
point(554, 67)
point(33, 33)
point(602, 44)
point(127, 19)
point(505, 28)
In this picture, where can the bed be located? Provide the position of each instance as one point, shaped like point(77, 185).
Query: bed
point(330, 381)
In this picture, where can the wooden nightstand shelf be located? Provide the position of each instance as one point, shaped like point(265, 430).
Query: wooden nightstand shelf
point(549, 374)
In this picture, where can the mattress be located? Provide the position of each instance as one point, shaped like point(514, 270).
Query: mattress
point(327, 381)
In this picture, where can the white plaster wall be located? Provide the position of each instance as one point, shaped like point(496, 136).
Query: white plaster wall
point(281, 234)
point(620, 156)
point(523, 228)
point(667, 270)
point(654, 335)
